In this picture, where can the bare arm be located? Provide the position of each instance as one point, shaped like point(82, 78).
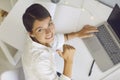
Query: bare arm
point(86, 31)
point(67, 55)
point(68, 51)
point(67, 69)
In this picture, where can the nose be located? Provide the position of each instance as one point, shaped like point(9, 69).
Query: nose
point(48, 30)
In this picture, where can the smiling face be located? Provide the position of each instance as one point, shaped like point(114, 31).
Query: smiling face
point(43, 31)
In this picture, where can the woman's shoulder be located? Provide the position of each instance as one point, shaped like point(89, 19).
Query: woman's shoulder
point(34, 49)
point(36, 54)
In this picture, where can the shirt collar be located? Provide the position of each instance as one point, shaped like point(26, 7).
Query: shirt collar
point(33, 43)
point(38, 45)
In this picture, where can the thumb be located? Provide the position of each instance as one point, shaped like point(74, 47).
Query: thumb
point(59, 52)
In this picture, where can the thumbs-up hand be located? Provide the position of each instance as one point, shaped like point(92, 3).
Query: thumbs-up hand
point(68, 53)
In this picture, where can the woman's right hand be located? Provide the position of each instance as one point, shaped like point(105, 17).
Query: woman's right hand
point(68, 53)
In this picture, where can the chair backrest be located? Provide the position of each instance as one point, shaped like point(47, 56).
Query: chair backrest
point(16, 74)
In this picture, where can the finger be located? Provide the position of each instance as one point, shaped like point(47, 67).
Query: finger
point(59, 52)
point(72, 49)
point(86, 25)
point(66, 46)
point(90, 27)
point(87, 36)
point(92, 30)
point(69, 46)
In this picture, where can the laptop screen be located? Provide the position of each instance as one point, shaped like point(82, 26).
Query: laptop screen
point(114, 20)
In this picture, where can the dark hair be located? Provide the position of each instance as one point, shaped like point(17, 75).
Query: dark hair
point(34, 12)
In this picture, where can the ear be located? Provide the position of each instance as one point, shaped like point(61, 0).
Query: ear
point(30, 34)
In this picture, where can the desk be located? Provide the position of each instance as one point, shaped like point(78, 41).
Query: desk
point(83, 59)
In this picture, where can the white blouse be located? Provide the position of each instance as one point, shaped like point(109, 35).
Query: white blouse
point(38, 60)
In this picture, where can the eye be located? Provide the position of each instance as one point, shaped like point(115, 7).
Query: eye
point(39, 30)
point(50, 24)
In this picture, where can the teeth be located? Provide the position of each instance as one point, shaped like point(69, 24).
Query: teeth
point(49, 36)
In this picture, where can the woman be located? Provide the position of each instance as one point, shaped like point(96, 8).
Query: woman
point(38, 61)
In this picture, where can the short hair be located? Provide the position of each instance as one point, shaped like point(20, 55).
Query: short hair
point(34, 12)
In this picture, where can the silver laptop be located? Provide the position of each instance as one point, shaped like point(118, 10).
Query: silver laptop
point(105, 45)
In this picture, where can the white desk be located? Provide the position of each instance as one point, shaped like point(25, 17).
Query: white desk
point(83, 59)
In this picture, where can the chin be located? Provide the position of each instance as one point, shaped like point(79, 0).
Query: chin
point(50, 41)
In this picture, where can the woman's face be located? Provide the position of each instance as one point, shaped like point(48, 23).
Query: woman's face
point(43, 31)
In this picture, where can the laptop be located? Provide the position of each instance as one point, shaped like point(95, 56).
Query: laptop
point(105, 45)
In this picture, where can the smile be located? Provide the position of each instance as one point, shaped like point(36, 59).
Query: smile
point(50, 36)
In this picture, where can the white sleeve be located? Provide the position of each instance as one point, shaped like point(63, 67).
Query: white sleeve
point(43, 69)
point(58, 42)
point(63, 77)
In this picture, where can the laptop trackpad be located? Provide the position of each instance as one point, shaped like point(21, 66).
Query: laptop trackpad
point(98, 53)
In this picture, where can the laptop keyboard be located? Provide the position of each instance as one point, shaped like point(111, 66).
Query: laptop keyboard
point(108, 43)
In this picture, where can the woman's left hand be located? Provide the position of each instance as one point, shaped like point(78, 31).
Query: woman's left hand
point(86, 31)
